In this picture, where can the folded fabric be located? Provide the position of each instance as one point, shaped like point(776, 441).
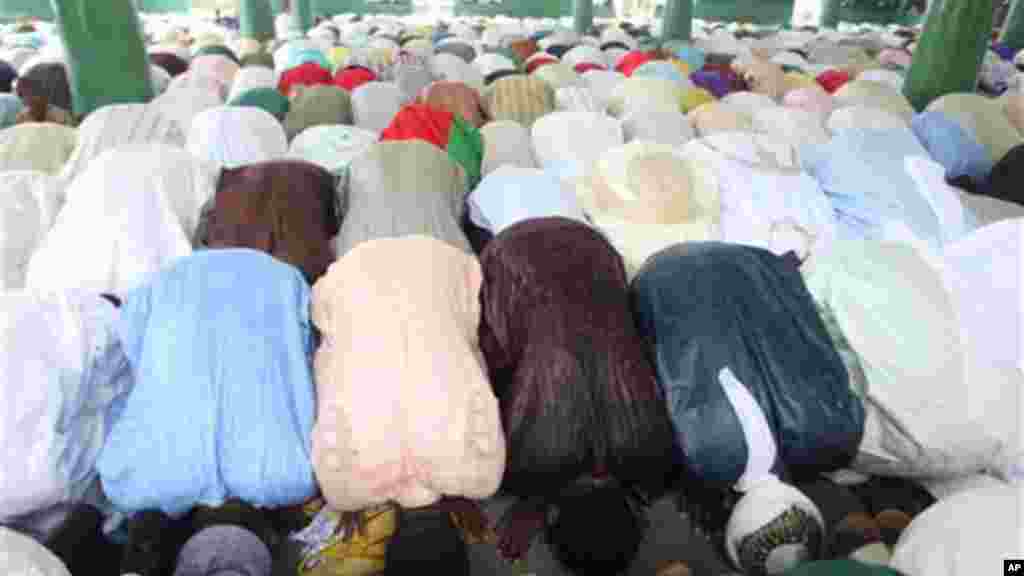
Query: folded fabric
point(725, 321)
point(660, 127)
point(374, 444)
point(191, 340)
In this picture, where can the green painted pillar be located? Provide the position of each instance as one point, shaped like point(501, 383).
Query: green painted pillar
point(677, 23)
point(830, 11)
point(582, 15)
point(107, 57)
point(949, 54)
point(302, 15)
point(256, 19)
point(1013, 29)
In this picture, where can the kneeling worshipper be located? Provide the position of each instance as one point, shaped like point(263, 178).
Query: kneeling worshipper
point(900, 330)
point(382, 400)
point(645, 197)
point(403, 188)
point(67, 381)
point(288, 209)
point(757, 392)
point(118, 225)
point(589, 439)
point(225, 336)
point(511, 194)
point(118, 125)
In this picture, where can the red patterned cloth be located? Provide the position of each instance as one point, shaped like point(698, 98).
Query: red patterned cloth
point(353, 77)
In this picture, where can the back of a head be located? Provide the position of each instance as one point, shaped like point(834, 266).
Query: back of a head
point(597, 532)
point(427, 543)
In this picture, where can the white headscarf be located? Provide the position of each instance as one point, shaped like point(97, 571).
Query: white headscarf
point(233, 136)
point(118, 125)
point(187, 96)
point(250, 78)
point(332, 147)
point(118, 226)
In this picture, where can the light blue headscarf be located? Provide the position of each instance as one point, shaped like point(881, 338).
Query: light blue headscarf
point(10, 106)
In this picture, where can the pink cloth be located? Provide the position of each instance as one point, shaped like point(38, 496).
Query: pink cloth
point(893, 57)
point(811, 99)
point(405, 410)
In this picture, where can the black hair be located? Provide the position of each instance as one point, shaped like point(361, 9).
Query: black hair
point(597, 530)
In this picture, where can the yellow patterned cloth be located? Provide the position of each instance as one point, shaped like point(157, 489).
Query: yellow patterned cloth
point(328, 552)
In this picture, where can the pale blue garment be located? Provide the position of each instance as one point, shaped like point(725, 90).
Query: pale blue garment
point(661, 69)
point(512, 194)
point(863, 174)
point(694, 57)
point(10, 107)
point(221, 346)
point(950, 145)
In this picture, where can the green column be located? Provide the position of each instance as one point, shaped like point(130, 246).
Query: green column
point(256, 19)
point(302, 15)
point(830, 10)
point(1013, 29)
point(677, 23)
point(582, 15)
point(949, 54)
point(106, 54)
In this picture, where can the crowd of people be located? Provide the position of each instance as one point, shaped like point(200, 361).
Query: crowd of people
point(495, 297)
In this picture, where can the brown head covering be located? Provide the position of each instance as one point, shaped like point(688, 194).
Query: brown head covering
point(171, 63)
point(457, 98)
point(287, 209)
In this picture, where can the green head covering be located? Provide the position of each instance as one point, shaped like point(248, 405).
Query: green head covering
point(258, 59)
point(841, 568)
point(267, 99)
point(318, 106)
point(216, 49)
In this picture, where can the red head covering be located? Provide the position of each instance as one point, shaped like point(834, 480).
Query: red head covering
point(353, 77)
point(833, 80)
point(308, 74)
point(633, 60)
point(584, 67)
point(539, 62)
point(420, 122)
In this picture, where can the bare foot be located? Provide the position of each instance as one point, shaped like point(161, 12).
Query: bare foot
point(518, 527)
